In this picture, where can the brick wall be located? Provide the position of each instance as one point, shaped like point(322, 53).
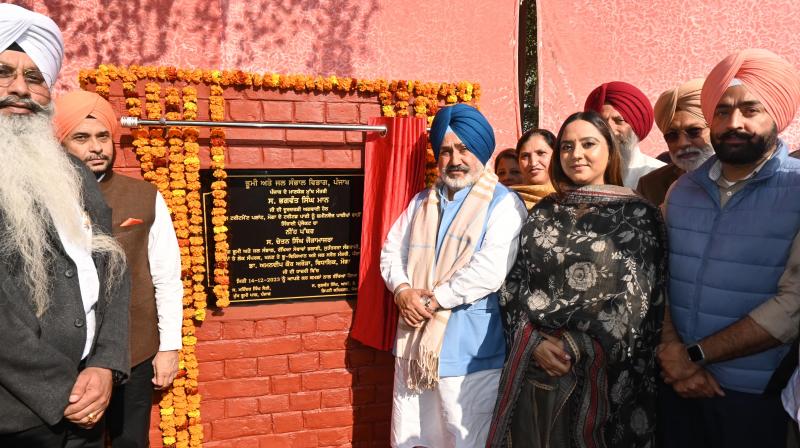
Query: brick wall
point(286, 374)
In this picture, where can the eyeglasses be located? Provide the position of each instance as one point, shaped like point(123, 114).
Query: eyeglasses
point(33, 78)
point(691, 133)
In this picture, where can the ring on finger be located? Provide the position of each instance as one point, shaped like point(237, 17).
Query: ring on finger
point(90, 417)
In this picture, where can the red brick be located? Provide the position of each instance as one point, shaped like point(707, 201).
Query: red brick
point(375, 375)
point(244, 110)
point(288, 422)
point(363, 395)
point(273, 365)
point(354, 137)
point(368, 110)
point(209, 331)
point(284, 384)
point(278, 111)
point(271, 404)
point(240, 157)
point(243, 329)
point(303, 362)
point(212, 410)
point(233, 93)
point(340, 158)
point(255, 136)
point(210, 371)
point(335, 398)
point(329, 340)
point(300, 136)
point(203, 112)
point(277, 157)
point(328, 418)
point(307, 158)
point(241, 368)
point(245, 442)
point(270, 327)
point(248, 387)
point(309, 112)
point(342, 113)
point(303, 440)
point(300, 324)
point(217, 350)
point(327, 380)
point(239, 407)
point(230, 428)
point(332, 359)
point(304, 401)
point(335, 436)
point(277, 95)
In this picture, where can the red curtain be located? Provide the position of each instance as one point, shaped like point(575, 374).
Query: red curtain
point(394, 171)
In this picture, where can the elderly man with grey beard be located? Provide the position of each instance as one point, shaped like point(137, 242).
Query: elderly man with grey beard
point(65, 288)
point(680, 119)
point(630, 116)
point(445, 257)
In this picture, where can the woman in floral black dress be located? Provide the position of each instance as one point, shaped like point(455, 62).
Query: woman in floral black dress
point(583, 306)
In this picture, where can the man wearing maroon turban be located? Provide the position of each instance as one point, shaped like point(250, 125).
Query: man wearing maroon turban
point(734, 263)
point(630, 116)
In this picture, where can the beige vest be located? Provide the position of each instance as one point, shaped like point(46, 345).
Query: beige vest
point(133, 198)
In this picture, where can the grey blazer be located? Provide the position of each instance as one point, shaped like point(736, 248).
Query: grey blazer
point(39, 358)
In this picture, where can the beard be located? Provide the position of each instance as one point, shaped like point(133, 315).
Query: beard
point(456, 184)
point(41, 186)
point(752, 151)
point(627, 144)
point(700, 156)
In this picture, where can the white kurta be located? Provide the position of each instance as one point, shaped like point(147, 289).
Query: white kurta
point(638, 166)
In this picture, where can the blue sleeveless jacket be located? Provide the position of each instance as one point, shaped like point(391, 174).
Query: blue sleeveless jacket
point(473, 339)
point(724, 262)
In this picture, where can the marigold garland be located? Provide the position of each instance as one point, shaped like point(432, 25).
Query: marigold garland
point(170, 159)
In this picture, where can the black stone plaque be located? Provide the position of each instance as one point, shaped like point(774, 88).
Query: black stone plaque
point(292, 234)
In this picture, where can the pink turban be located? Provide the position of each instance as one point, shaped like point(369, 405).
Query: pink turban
point(685, 97)
point(75, 106)
point(629, 101)
point(766, 75)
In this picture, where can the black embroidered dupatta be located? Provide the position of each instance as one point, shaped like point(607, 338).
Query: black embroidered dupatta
point(592, 270)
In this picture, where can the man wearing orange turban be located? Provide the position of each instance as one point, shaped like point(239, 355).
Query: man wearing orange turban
point(733, 226)
point(680, 119)
point(630, 116)
point(86, 126)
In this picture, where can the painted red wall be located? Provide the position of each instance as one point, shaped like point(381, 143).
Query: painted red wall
point(445, 40)
point(654, 45)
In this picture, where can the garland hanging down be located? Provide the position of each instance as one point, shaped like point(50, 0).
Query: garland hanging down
point(170, 159)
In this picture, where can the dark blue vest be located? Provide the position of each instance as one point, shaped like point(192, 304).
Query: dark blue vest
point(724, 262)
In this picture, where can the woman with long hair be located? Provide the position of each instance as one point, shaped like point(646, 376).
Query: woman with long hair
point(583, 306)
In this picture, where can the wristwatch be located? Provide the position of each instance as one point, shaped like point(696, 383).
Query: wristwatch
point(696, 354)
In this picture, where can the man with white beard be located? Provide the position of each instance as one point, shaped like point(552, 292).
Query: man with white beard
point(64, 294)
point(630, 116)
point(445, 257)
point(679, 117)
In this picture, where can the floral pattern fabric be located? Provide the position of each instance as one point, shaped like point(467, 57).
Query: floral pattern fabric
point(591, 269)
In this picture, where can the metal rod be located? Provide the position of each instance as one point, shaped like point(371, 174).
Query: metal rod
point(132, 122)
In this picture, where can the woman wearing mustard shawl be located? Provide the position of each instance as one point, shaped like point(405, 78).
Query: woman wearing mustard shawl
point(534, 150)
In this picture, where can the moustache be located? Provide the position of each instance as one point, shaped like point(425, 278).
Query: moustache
point(457, 168)
point(28, 103)
point(95, 157)
point(735, 134)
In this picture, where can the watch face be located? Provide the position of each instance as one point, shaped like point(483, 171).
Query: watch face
point(695, 353)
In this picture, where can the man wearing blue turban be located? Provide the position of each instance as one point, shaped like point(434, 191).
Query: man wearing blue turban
point(445, 258)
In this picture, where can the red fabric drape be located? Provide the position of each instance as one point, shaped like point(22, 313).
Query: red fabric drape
point(394, 171)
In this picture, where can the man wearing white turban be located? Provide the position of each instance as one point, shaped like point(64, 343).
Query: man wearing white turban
point(64, 288)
